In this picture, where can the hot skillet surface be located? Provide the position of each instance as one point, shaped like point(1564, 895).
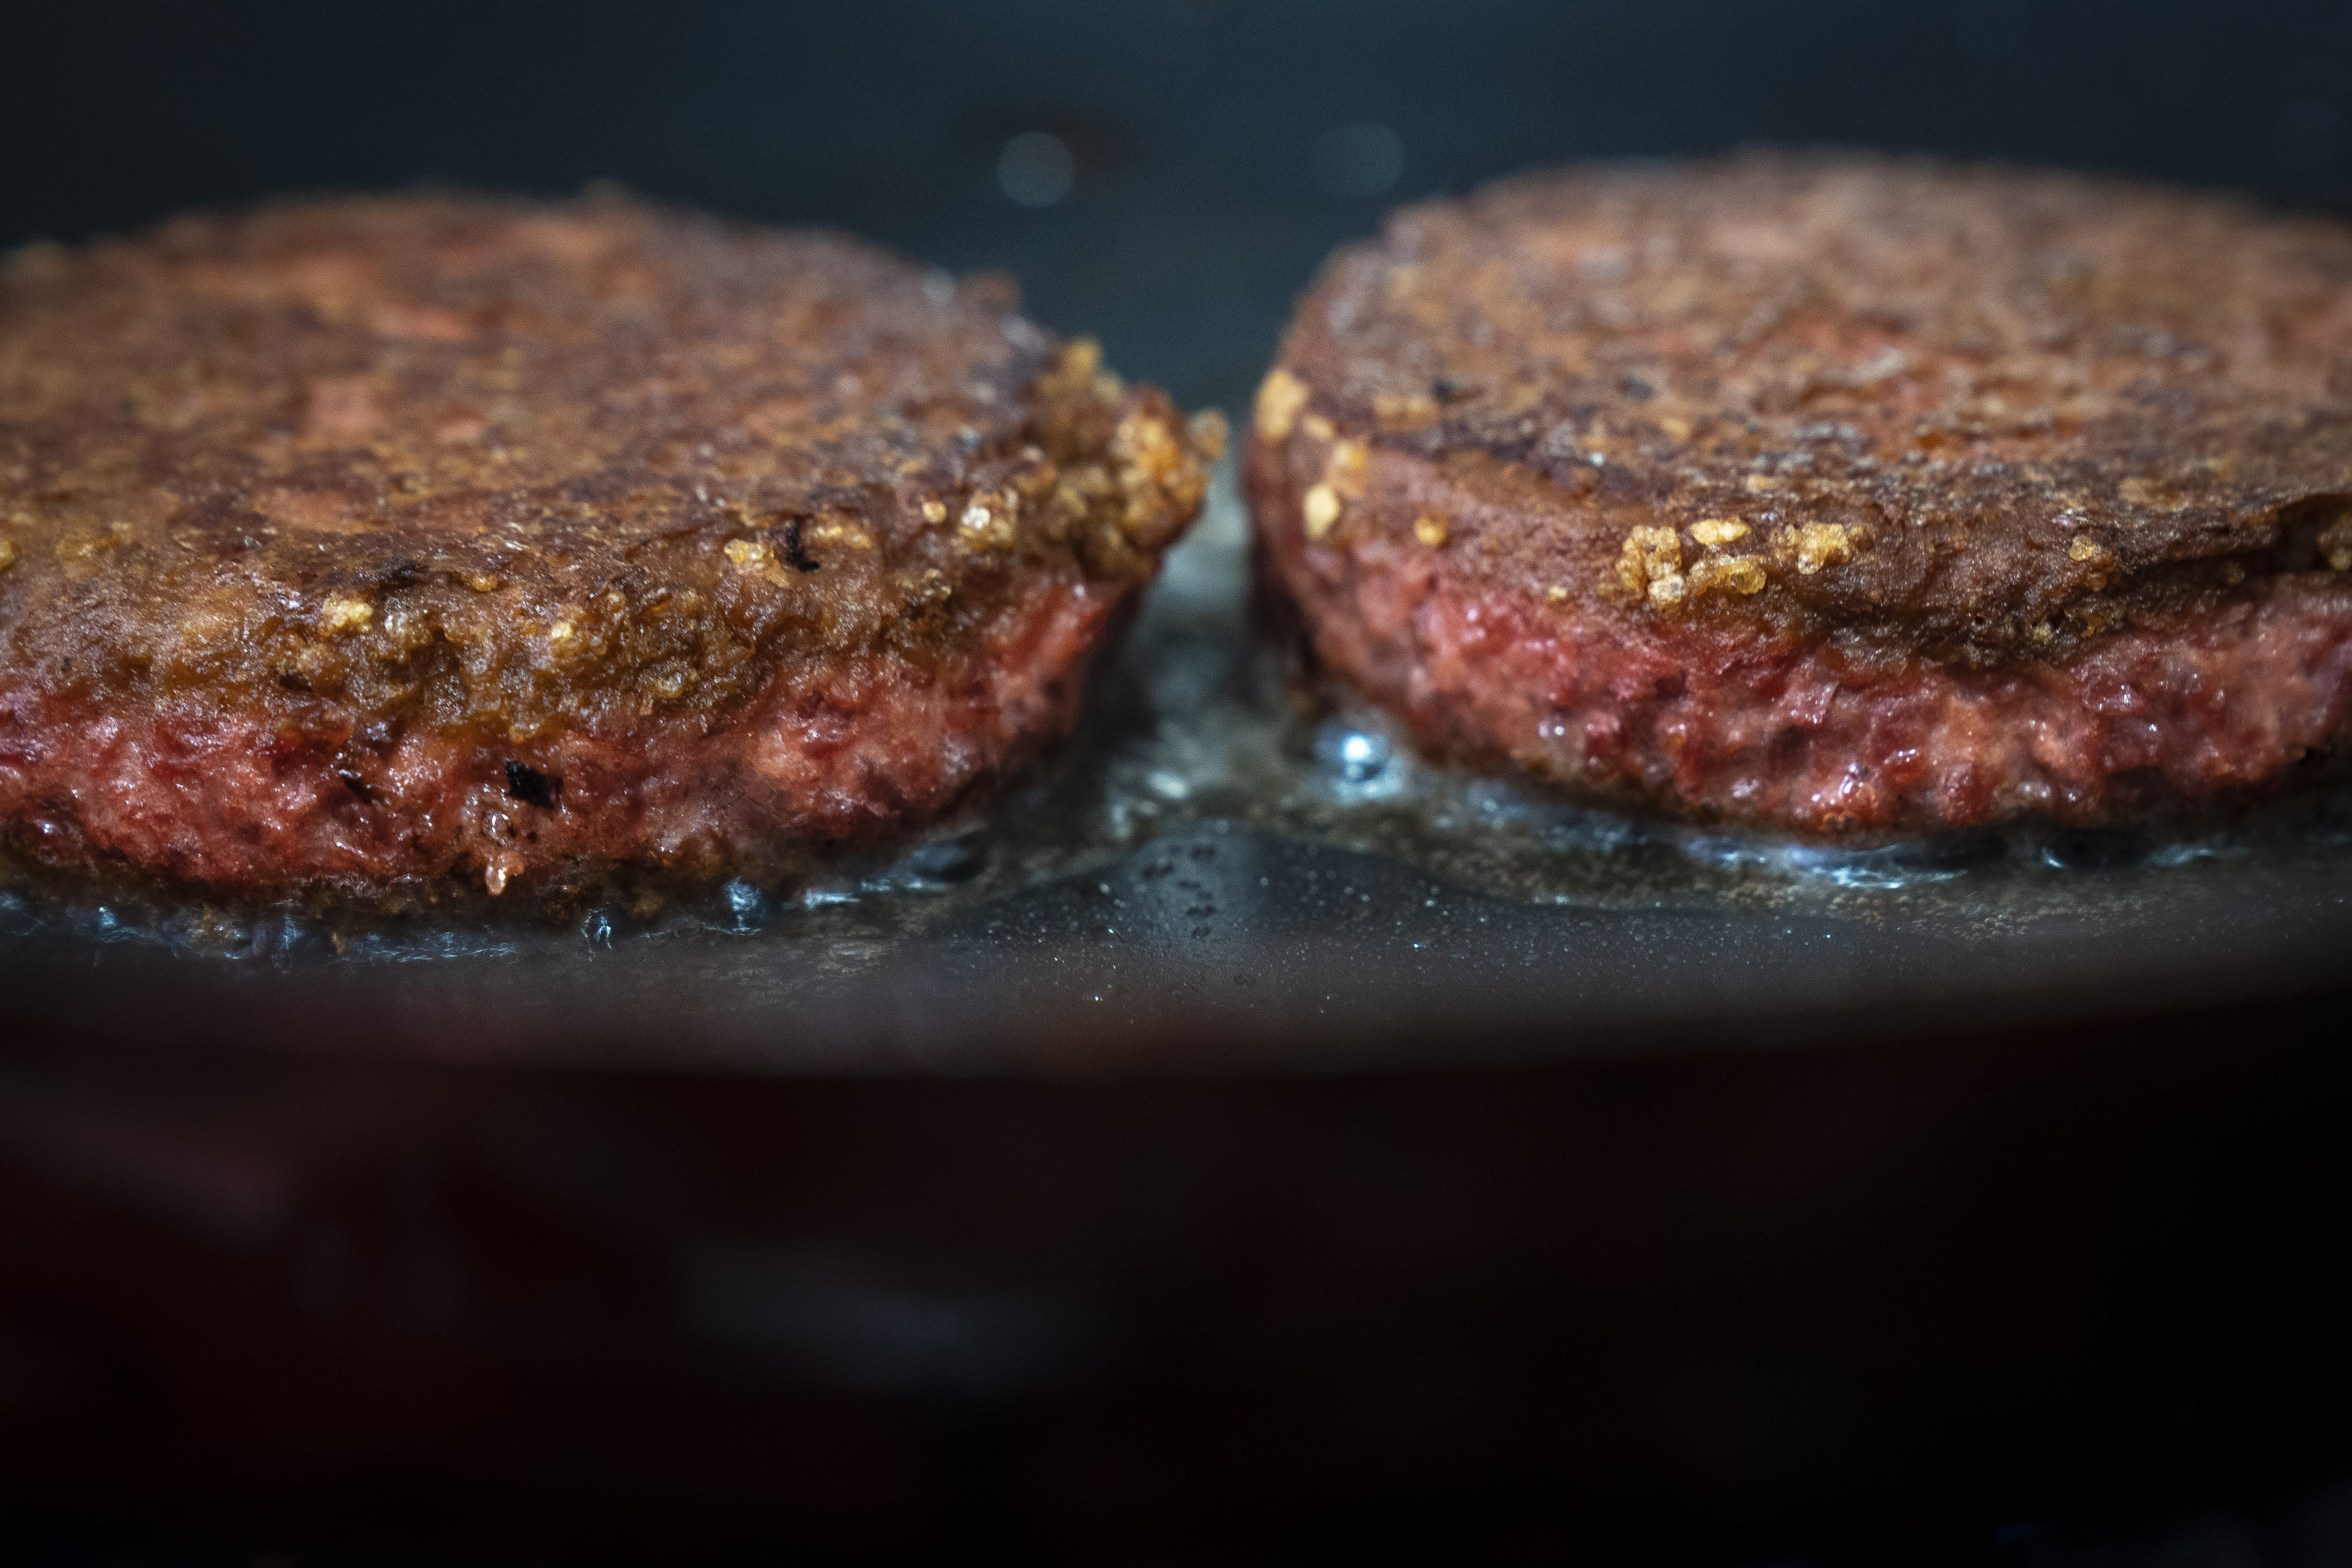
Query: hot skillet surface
point(1229, 873)
point(1211, 877)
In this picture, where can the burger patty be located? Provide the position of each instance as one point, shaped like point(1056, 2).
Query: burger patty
point(433, 542)
point(1834, 493)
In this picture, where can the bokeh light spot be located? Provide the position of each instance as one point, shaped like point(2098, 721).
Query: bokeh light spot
point(1035, 169)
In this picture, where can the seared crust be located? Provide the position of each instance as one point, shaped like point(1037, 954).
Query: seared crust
point(1969, 412)
point(445, 483)
point(1841, 493)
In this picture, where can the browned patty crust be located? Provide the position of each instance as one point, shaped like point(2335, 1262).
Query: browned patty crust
point(1833, 493)
point(434, 541)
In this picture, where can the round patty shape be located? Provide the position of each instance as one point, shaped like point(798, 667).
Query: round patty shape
point(1835, 493)
point(435, 541)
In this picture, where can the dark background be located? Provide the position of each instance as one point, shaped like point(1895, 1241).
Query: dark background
point(1196, 213)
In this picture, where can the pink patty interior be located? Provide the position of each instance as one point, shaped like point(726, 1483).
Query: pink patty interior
point(1727, 722)
point(842, 751)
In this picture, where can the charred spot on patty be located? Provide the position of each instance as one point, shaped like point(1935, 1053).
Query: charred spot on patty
point(796, 552)
point(528, 786)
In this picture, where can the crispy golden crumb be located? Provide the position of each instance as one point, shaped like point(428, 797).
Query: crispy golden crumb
point(1718, 531)
point(845, 535)
point(2335, 543)
point(1344, 470)
point(1650, 556)
point(1319, 511)
point(1404, 412)
point(1081, 361)
point(988, 522)
point(2090, 553)
point(1740, 575)
point(1819, 544)
point(1279, 398)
